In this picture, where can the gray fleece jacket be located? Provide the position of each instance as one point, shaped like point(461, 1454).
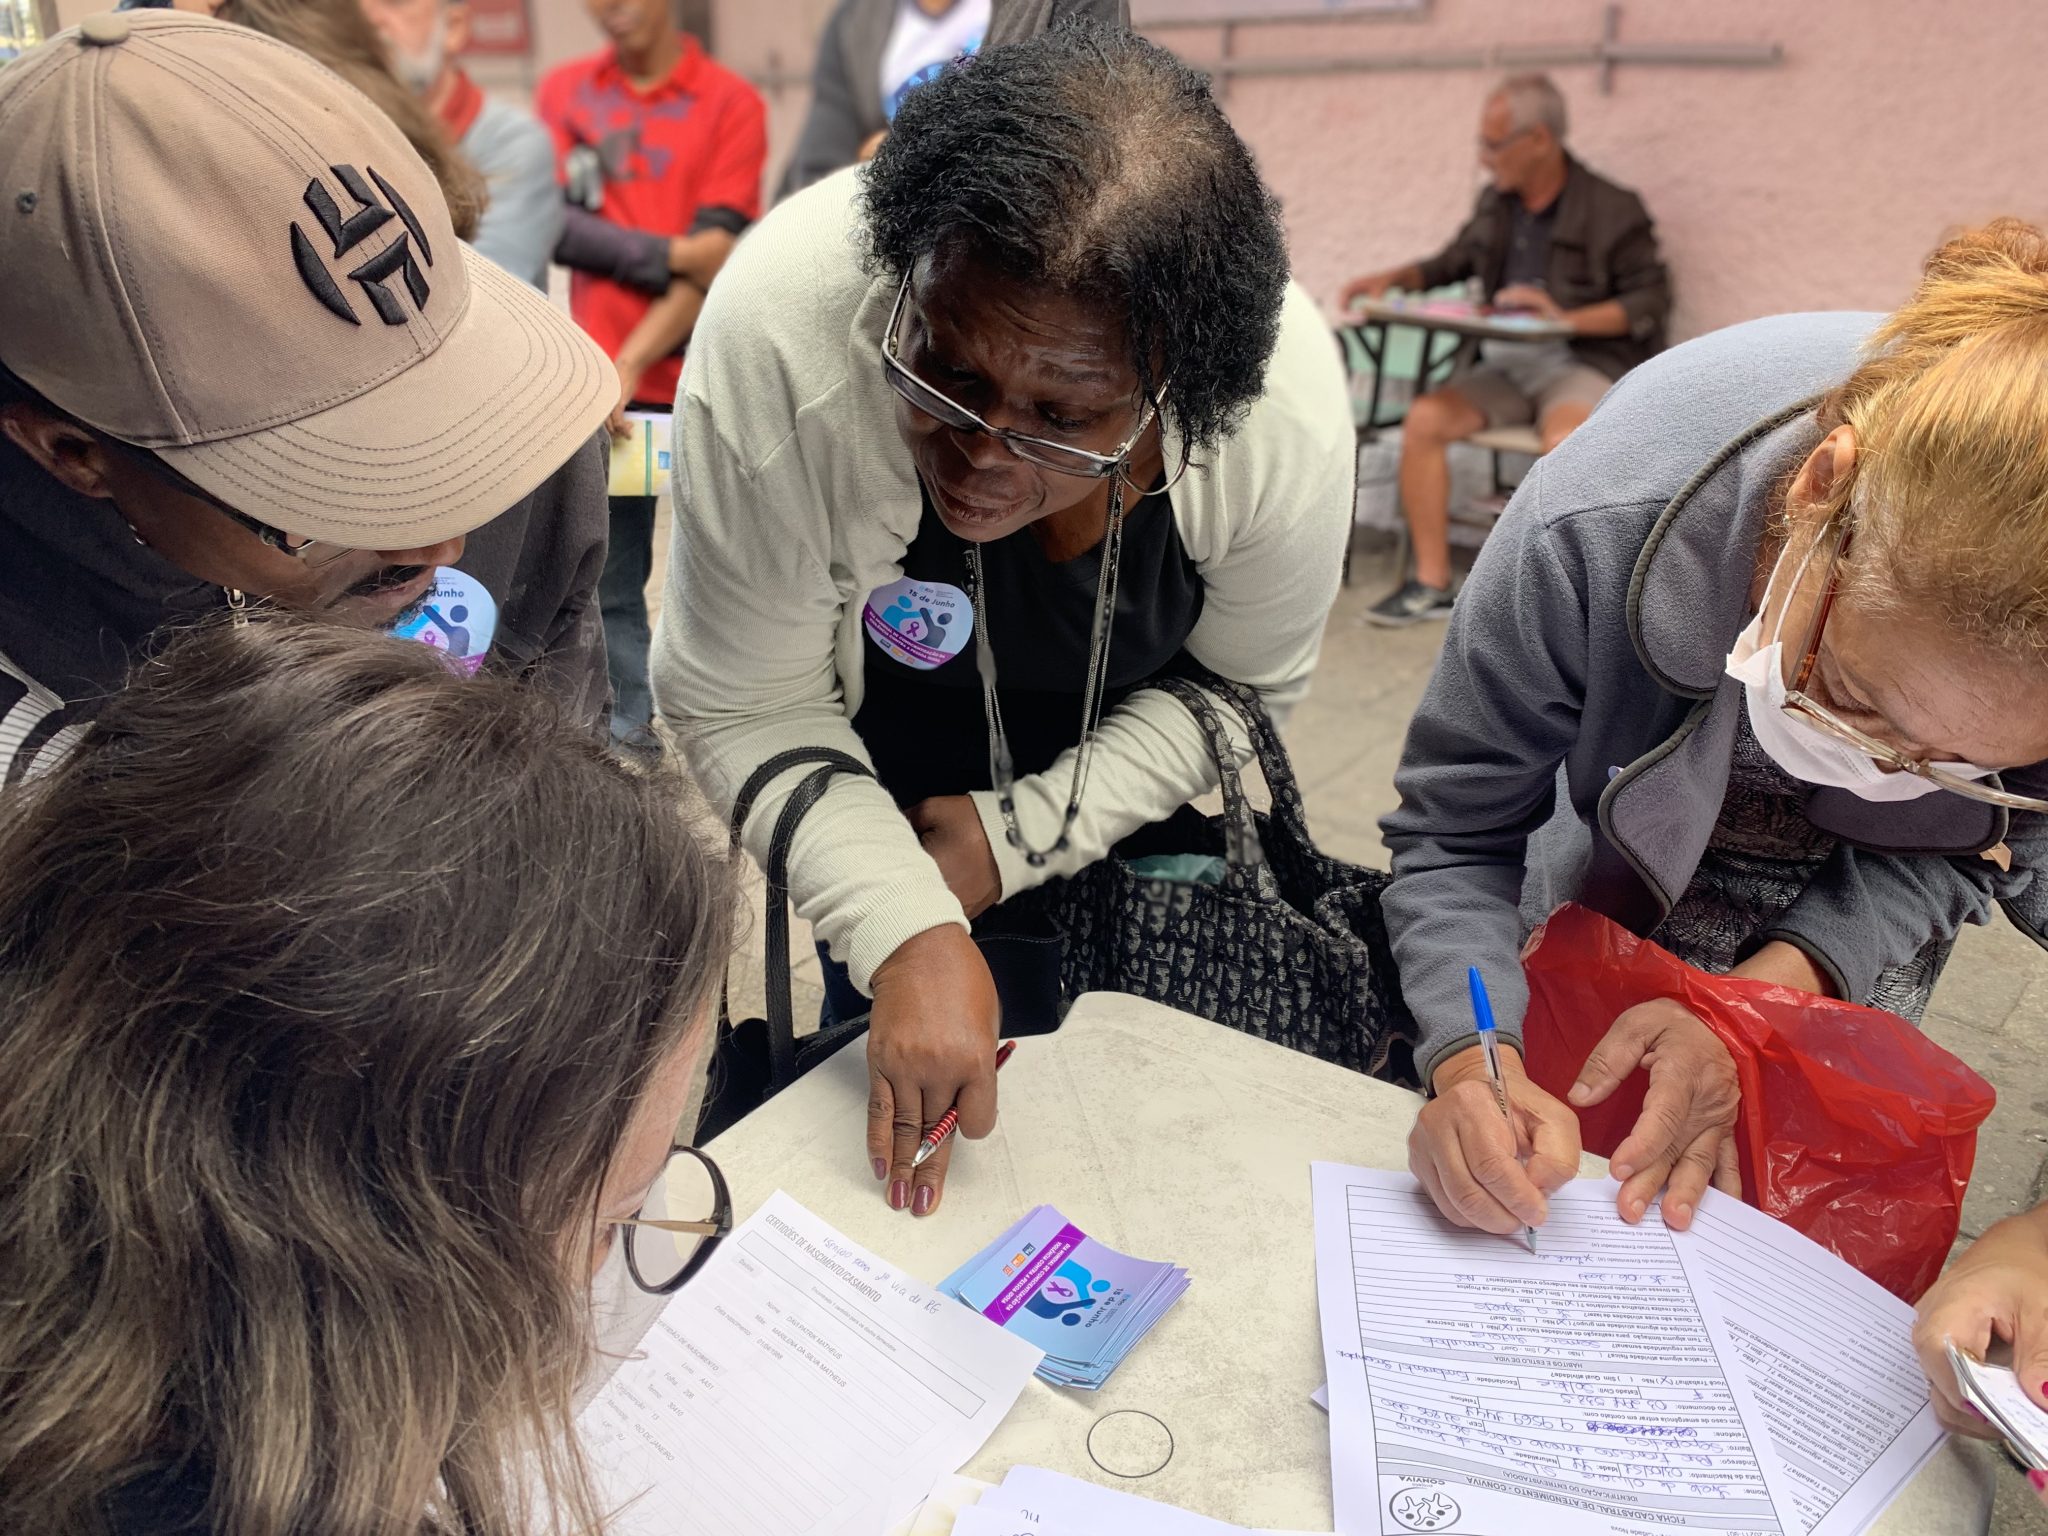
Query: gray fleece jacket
point(1575, 741)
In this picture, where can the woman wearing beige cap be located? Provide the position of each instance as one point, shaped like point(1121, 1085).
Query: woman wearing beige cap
point(245, 360)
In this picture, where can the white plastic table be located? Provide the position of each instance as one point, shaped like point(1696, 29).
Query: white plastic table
point(1167, 1137)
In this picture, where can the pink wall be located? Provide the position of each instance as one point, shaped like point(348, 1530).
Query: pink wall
point(1817, 183)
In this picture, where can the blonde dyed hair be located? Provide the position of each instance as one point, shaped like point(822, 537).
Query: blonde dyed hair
point(329, 981)
point(1949, 492)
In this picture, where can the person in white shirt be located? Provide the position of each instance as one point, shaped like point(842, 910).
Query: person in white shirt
point(1046, 338)
point(873, 53)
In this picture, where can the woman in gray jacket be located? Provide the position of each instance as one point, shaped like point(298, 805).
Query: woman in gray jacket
point(1753, 666)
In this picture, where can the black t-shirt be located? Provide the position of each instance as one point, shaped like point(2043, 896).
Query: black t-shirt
point(81, 601)
point(1528, 253)
point(921, 714)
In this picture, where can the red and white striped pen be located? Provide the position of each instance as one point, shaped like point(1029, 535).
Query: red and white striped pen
point(936, 1136)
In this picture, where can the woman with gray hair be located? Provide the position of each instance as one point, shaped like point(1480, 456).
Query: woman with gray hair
point(347, 1009)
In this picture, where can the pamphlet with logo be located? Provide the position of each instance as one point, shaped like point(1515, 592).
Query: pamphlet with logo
point(1085, 1305)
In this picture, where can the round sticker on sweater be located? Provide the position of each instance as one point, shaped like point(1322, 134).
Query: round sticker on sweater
point(456, 615)
point(923, 624)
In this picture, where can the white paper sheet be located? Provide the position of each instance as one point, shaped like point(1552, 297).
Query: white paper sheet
point(1829, 1354)
point(942, 1506)
point(798, 1386)
point(1478, 1388)
point(1033, 1501)
point(1996, 1393)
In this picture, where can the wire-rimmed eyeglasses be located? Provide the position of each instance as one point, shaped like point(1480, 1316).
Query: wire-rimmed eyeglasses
point(1831, 544)
point(275, 538)
point(1059, 457)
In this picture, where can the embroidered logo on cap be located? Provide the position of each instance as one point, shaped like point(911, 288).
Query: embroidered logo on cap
point(349, 231)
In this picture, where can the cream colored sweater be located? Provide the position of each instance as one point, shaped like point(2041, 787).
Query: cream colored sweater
point(796, 498)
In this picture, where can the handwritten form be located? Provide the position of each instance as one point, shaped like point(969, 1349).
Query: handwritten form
point(1996, 1393)
point(1830, 1358)
point(1478, 1388)
point(798, 1386)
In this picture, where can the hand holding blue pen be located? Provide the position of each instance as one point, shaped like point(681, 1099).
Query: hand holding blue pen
point(1489, 1042)
point(1477, 1177)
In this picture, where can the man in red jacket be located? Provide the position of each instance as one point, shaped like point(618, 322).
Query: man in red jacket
point(652, 135)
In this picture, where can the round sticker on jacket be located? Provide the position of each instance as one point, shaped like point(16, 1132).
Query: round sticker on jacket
point(456, 615)
point(923, 624)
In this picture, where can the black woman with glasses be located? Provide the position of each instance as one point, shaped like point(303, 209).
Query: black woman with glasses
point(338, 1153)
point(974, 443)
point(1755, 666)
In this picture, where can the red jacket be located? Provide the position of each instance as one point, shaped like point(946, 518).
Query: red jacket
point(684, 155)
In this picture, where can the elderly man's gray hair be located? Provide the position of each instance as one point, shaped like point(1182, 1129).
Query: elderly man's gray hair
point(1534, 100)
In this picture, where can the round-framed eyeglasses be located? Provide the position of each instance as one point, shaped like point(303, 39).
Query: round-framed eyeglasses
point(1831, 545)
point(687, 1214)
point(1062, 458)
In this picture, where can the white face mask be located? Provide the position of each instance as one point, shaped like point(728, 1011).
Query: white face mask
point(1803, 750)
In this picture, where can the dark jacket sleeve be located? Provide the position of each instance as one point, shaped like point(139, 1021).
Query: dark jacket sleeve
point(1468, 253)
point(541, 560)
point(1014, 21)
point(1866, 912)
point(1478, 777)
point(590, 243)
point(834, 128)
point(1641, 281)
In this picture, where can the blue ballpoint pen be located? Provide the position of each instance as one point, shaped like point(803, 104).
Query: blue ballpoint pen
point(1489, 1042)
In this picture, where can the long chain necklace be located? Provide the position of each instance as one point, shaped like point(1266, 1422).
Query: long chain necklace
point(1002, 767)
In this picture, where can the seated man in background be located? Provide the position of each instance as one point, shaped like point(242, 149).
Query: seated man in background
point(314, 414)
point(1548, 238)
point(523, 218)
point(651, 135)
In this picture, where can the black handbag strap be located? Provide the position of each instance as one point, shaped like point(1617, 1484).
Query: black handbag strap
point(780, 1011)
point(1200, 689)
point(779, 764)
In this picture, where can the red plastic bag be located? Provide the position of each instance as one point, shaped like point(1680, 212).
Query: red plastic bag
point(1855, 1128)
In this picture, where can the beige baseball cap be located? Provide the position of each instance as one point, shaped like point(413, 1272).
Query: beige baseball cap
point(213, 247)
